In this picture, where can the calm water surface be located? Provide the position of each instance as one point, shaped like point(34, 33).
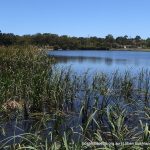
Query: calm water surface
point(105, 61)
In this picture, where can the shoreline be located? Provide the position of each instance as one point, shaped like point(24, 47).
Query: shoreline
point(121, 49)
point(131, 49)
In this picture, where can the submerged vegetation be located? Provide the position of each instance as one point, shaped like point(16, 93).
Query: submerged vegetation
point(42, 107)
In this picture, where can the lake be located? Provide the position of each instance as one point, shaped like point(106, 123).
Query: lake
point(104, 61)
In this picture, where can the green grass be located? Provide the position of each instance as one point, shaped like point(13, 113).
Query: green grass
point(111, 108)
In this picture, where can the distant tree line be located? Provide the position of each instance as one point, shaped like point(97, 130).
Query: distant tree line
point(65, 42)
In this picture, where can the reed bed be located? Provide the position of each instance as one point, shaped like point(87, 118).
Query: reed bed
point(50, 108)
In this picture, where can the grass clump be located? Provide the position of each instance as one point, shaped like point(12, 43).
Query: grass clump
point(24, 73)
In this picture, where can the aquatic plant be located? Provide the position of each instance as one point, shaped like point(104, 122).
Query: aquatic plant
point(62, 110)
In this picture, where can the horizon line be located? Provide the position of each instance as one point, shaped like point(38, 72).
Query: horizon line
point(84, 36)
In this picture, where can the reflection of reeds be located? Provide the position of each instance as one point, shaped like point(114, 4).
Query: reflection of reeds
point(106, 108)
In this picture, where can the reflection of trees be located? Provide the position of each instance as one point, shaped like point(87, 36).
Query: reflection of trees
point(107, 60)
point(78, 59)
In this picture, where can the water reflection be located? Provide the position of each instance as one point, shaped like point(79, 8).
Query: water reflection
point(106, 61)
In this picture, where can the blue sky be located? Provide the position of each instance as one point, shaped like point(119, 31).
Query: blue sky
point(76, 17)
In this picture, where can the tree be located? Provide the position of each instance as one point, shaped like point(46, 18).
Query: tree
point(66, 42)
point(120, 40)
point(0, 37)
point(148, 42)
point(137, 38)
point(109, 40)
